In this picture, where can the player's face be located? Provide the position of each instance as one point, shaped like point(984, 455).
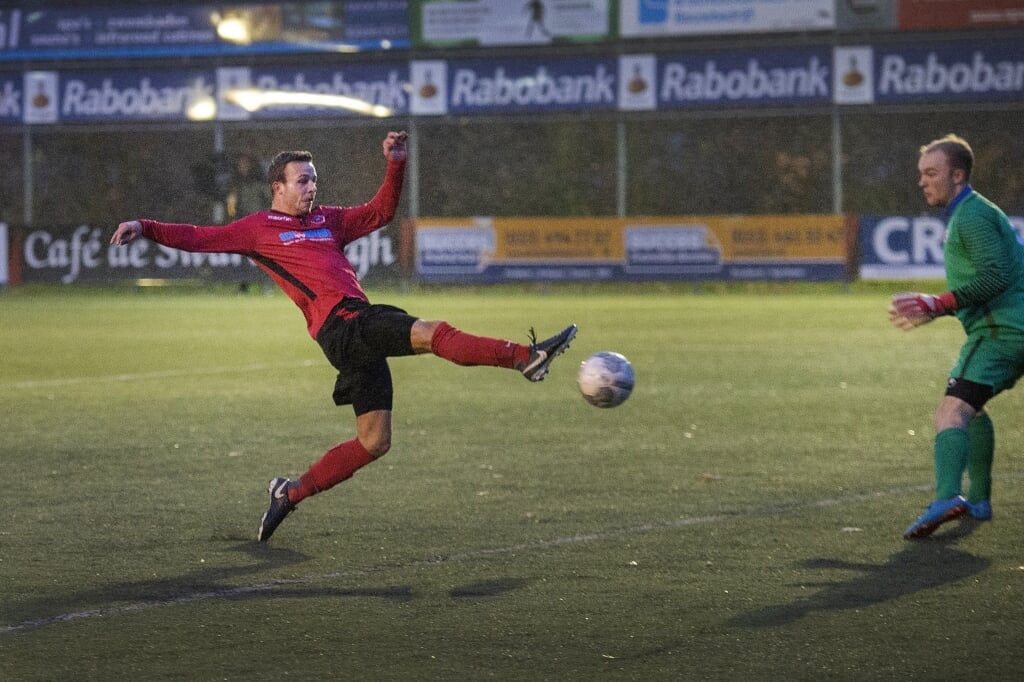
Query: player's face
point(939, 182)
point(298, 191)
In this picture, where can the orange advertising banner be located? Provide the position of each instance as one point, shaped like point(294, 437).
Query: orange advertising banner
point(650, 247)
point(923, 15)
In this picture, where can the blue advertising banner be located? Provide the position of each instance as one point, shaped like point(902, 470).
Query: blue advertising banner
point(905, 246)
point(141, 95)
point(359, 89)
point(530, 85)
point(176, 30)
point(783, 77)
point(960, 72)
point(743, 78)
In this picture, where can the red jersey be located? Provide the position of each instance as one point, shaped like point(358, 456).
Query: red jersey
point(305, 256)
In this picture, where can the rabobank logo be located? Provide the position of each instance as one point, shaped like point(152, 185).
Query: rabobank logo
point(134, 95)
point(993, 71)
point(372, 87)
point(534, 85)
point(652, 11)
point(789, 76)
point(935, 76)
point(40, 93)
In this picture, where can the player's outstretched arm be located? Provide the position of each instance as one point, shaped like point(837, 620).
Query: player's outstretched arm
point(394, 146)
point(909, 309)
point(126, 233)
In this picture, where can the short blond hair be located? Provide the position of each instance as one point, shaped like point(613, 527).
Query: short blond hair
point(956, 149)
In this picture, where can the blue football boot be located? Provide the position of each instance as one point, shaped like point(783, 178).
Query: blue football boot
point(981, 511)
point(937, 513)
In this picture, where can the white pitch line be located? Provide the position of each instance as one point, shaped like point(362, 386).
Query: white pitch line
point(520, 548)
point(161, 374)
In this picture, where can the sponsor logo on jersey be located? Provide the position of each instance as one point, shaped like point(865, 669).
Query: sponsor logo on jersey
point(296, 236)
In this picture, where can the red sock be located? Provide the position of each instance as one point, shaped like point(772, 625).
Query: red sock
point(337, 465)
point(465, 349)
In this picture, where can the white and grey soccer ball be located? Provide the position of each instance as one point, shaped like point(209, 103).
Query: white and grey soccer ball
point(605, 379)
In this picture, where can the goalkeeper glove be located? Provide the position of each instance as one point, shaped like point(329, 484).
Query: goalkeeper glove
point(908, 310)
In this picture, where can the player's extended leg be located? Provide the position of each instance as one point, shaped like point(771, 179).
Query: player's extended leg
point(454, 345)
point(981, 451)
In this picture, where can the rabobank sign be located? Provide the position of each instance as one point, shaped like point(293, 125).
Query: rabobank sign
point(292, 92)
point(134, 95)
point(906, 247)
point(801, 76)
point(950, 72)
point(10, 98)
point(532, 85)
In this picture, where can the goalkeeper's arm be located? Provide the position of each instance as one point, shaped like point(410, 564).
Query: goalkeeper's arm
point(909, 309)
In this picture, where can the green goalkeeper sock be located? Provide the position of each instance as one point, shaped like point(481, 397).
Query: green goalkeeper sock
point(982, 438)
point(951, 446)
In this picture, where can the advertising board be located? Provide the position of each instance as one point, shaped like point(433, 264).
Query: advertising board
point(171, 30)
point(74, 254)
point(906, 246)
point(807, 247)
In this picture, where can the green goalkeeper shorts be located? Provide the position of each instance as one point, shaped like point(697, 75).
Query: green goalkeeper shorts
point(991, 359)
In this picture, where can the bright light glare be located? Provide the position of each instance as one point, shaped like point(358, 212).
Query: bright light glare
point(254, 100)
point(234, 30)
point(202, 108)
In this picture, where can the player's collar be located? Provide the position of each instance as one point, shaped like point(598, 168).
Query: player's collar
point(957, 199)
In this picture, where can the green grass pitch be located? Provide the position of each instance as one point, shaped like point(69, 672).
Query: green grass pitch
point(738, 518)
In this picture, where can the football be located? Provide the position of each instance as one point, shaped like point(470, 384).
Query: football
point(605, 379)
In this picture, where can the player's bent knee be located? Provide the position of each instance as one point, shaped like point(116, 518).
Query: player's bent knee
point(422, 335)
point(373, 429)
point(377, 445)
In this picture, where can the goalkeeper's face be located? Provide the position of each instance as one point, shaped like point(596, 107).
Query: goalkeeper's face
point(938, 181)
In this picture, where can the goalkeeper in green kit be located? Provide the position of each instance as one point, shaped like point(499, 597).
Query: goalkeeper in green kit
point(985, 276)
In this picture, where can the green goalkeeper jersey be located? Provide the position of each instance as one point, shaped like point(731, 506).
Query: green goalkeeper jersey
point(984, 265)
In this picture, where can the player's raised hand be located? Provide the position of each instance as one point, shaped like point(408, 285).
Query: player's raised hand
point(126, 232)
point(394, 145)
point(910, 309)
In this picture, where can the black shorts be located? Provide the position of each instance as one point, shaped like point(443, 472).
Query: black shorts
point(357, 339)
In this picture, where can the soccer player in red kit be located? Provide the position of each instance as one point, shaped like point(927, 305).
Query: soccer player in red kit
point(301, 246)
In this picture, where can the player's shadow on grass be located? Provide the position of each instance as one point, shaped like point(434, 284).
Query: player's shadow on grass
point(198, 584)
point(487, 588)
point(920, 565)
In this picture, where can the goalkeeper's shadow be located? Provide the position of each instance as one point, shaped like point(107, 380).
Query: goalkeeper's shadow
point(921, 565)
